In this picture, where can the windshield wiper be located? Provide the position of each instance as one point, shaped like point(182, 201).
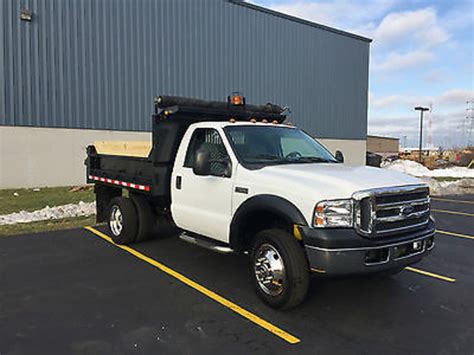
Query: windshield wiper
point(312, 160)
point(268, 157)
point(277, 159)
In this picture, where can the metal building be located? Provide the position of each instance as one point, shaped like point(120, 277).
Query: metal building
point(385, 146)
point(81, 70)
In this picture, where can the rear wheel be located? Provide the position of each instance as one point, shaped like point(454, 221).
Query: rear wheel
point(123, 220)
point(146, 217)
point(279, 269)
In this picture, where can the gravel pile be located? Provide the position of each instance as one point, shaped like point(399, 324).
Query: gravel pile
point(82, 209)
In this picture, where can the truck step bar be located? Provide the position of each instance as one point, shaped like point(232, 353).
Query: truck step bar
point(206, 243)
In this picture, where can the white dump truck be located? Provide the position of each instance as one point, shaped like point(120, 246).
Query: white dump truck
point(234, 177)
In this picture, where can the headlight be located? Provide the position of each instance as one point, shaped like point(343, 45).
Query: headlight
point(336, 213)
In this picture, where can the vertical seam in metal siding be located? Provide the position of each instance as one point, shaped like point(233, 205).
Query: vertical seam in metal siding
point(101, 69)
point(53, 65)
point(10, 90)
point(92, 88)
point(27, 94)
point(61, 52)
point(3, 118)
point(75, 75)
point(17, 68)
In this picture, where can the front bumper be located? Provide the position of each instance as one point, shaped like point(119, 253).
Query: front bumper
point(349, 253)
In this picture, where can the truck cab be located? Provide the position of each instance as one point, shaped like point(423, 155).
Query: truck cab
point(238, 179)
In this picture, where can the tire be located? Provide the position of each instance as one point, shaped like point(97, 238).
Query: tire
point(146, 218)
point(124, 230)
point(288, 288)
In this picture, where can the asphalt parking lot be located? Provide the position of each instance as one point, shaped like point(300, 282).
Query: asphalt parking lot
point(75, 292)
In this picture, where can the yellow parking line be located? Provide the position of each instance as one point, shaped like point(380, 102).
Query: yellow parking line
point(427, 273)
point(456, 234)
point(452, 200)
point(454, 212)
point(205, 291)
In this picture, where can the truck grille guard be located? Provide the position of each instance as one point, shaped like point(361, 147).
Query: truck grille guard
point(386, 211)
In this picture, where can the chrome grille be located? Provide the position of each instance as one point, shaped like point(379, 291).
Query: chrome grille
point(383, 212)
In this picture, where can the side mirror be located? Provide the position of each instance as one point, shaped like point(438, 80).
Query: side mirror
point(202, 165)
point(339, 156)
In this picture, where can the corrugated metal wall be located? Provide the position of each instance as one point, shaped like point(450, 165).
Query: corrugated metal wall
point(98, 63)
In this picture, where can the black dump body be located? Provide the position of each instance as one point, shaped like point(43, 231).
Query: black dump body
point(173, 115)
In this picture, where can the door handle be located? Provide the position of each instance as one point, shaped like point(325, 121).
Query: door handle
point(178, 182)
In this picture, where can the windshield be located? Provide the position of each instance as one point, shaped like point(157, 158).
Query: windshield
point(266, 145)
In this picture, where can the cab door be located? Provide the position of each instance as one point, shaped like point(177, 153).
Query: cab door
point(202, 204)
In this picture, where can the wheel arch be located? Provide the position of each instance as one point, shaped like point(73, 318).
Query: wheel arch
point(259, 212)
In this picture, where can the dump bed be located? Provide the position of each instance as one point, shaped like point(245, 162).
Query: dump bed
point(122, 171)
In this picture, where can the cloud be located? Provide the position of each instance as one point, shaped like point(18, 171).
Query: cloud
point(459, 17)
point(435, 75)
point(420, 26)
point(406, 30)
point(453, 97)
point(344, 14)
point(396, 61)
point(448, 128)
point(413, 33)
point(405, 123)
point(456, 96)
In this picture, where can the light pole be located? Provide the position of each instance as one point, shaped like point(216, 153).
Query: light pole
point(421, 109)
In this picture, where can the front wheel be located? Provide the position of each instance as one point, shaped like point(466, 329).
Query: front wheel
point(279, 269)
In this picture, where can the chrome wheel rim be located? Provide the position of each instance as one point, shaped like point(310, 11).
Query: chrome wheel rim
point(269, 270)
point(116, 221)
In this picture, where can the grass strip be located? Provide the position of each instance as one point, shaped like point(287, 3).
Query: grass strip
point(49, 225)
point(30, 200)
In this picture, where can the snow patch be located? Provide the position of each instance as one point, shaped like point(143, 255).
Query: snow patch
point(82, 209)
point(464, 185)
point(458, 187)
point(416, 169)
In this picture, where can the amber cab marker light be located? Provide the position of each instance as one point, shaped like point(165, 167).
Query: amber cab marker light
point(253, 120)
point(236, 100)
point(232, 120)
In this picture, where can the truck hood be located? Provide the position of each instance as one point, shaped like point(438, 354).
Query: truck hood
point(329, 180)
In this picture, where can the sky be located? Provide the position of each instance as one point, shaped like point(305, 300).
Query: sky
point(422, 53)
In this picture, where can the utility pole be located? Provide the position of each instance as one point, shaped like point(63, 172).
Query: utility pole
point(430, 127)
point(421, 109)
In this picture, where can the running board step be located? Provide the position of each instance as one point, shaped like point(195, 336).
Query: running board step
point(204, 243)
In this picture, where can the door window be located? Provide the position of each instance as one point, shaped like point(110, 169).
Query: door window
point(210, 140)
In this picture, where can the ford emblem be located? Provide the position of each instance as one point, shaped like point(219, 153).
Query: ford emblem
point(407, 210)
